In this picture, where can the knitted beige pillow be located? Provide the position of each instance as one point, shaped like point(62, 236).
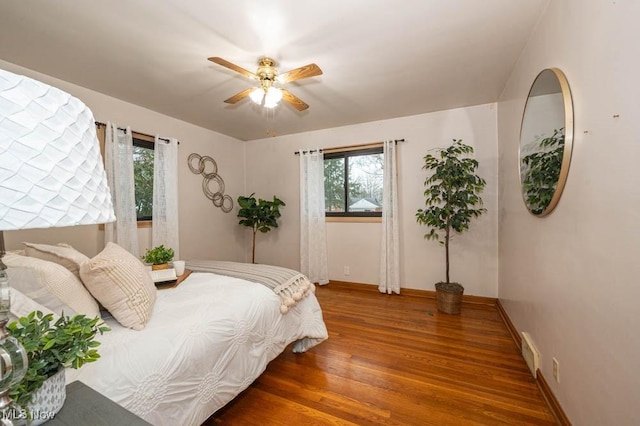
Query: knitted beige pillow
point(49, 284)
point(62, 254)
point(122, 284)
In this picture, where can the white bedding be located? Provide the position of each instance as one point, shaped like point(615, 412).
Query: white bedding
point(207, 340)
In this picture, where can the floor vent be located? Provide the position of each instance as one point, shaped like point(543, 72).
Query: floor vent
point(530, 353)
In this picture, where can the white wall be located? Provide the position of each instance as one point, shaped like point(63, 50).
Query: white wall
point(205, 231)
point(571, 278)
point(273, 169)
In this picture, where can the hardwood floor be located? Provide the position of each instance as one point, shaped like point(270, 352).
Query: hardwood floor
point(394, 360)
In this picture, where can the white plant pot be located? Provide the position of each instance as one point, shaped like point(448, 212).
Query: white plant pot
point(49, 399)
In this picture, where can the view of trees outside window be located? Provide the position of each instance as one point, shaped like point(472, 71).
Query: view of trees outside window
point(143, 179)
point(363, 182)
point(334, 185)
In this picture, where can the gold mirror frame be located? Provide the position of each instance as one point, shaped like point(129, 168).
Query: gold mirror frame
point(568, 139)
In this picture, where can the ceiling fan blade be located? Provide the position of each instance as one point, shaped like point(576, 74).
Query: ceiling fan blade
point(239, 96)
point(294, 100)
point(233, 67)
point(310, 70)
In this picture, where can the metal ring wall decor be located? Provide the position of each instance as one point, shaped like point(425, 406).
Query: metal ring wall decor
point(208, 168)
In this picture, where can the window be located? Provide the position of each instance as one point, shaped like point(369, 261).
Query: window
point(353, 182)
point(143, 177)
point(143, 150)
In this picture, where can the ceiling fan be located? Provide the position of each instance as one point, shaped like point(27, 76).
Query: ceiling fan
point(267, 94)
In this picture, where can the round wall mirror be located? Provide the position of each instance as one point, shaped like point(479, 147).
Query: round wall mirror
point(546, 139)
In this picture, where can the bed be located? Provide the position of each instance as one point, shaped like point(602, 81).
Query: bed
point(205, 341)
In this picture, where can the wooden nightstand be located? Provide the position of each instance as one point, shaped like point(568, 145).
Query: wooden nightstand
point(85, 406)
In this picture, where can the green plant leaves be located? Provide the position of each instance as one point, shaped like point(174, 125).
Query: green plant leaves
point(451, 191)
point(158, 255)
point(69, 341)
point(542, 171)
point(260, 215)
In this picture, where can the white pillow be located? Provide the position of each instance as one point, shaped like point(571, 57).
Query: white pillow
point(50, 285)
point(122, 284)
point(62, 254)
point(21, 306)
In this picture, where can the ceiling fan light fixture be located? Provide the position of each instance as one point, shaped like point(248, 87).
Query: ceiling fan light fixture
point(266, 95)
point(257, 95)
point(272, 97)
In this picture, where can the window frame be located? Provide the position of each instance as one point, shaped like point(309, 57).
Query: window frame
point(143, 143)
point(346, 153)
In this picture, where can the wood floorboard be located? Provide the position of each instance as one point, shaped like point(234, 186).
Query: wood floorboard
point(395, 360)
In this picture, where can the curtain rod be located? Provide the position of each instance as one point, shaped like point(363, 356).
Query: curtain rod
point(352, 146)
point(309, 151)
point(144, 134)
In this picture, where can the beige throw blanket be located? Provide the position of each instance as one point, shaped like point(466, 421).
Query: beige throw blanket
point(288, 284)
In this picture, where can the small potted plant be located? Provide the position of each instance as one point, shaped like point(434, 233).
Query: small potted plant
point(158, 257)
point(259, 215)
point(51, 346)
point(452, 199)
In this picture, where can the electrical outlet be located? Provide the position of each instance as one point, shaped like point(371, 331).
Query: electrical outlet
point(347, 271)
point(556, 370)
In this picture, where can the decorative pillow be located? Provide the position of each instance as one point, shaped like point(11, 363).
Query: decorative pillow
point(62, 254)
point(21, 306)
point(122, 284)
point(49, 284)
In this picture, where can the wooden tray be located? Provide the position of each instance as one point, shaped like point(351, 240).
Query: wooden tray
point(175, 283)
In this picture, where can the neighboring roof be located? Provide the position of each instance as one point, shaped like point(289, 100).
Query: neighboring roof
point(365, 204)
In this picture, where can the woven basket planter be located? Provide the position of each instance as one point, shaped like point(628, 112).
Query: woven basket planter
point(449, 297)
point(159, 266)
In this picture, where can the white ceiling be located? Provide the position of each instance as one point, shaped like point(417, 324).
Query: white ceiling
point(381, 58)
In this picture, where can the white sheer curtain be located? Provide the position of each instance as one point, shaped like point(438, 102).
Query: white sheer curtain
point(390, 244)
point(165, 195)
point(313, 239)
point(118, 158)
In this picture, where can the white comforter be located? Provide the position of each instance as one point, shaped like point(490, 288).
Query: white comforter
point(207, 340)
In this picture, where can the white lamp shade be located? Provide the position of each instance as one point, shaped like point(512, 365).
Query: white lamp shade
point(51, 170)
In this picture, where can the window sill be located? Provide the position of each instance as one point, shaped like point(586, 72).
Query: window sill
point(354, 219)
point(141, 224)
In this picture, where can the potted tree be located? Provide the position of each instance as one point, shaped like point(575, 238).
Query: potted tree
point(50, 347)
point(259, 215)
point(452, 199)
point(158, 257)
